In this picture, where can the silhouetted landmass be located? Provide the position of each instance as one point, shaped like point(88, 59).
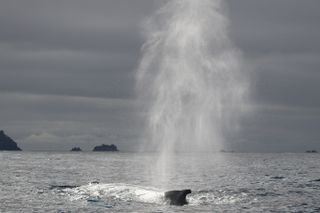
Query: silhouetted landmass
point(76, 149)
point(311, 151)
point(6, 143)
point(226, 151)
point(106, 148)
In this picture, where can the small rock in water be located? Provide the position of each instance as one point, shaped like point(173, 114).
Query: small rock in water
point(76, 149)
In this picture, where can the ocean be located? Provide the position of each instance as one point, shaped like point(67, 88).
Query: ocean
point(121, 182)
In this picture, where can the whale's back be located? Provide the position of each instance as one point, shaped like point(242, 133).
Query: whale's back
point(177, 197)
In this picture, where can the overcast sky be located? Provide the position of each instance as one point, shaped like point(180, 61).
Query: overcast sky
point(67, 72)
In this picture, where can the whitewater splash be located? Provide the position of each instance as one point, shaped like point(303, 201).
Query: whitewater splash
point(190, 79)
point(115, 194)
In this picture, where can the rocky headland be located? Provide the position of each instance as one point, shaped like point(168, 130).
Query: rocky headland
point(7, 144)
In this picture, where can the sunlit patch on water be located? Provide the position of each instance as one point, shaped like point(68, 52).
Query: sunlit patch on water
point(212, 197)
point(110, 195)
point(114, 193)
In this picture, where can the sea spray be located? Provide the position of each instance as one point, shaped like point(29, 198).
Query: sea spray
point(190, 80)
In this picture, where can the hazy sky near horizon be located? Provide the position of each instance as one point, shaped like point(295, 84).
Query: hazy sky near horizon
point(67, 72)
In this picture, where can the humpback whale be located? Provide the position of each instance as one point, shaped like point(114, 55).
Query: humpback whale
point(177, 197)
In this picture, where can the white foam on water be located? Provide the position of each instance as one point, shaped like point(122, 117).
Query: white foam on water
point(116, 192)
point(121, 193)
point(210, 198)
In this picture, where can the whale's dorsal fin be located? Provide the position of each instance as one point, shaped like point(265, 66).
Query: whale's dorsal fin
point(177, 197)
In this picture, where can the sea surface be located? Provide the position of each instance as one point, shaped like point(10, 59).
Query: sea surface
point(124, 182)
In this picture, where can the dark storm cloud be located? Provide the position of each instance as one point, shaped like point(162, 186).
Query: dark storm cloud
point(289, 80)
point(281, 41)
point(67, 71)
point(269, 27)
point(70, 47)
point(76, 25)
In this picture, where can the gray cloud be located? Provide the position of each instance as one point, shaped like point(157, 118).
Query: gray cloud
point(67, 72)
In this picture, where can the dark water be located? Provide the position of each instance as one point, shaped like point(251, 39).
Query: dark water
point(121, 182)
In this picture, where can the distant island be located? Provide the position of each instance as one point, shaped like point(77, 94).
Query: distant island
point(7, 144)
point(311, 151)
point(106, 148)
point(76, 149)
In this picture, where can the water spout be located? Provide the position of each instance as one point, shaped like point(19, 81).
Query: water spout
point(190, 79)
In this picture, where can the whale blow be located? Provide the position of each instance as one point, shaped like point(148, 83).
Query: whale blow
point(177, 197)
